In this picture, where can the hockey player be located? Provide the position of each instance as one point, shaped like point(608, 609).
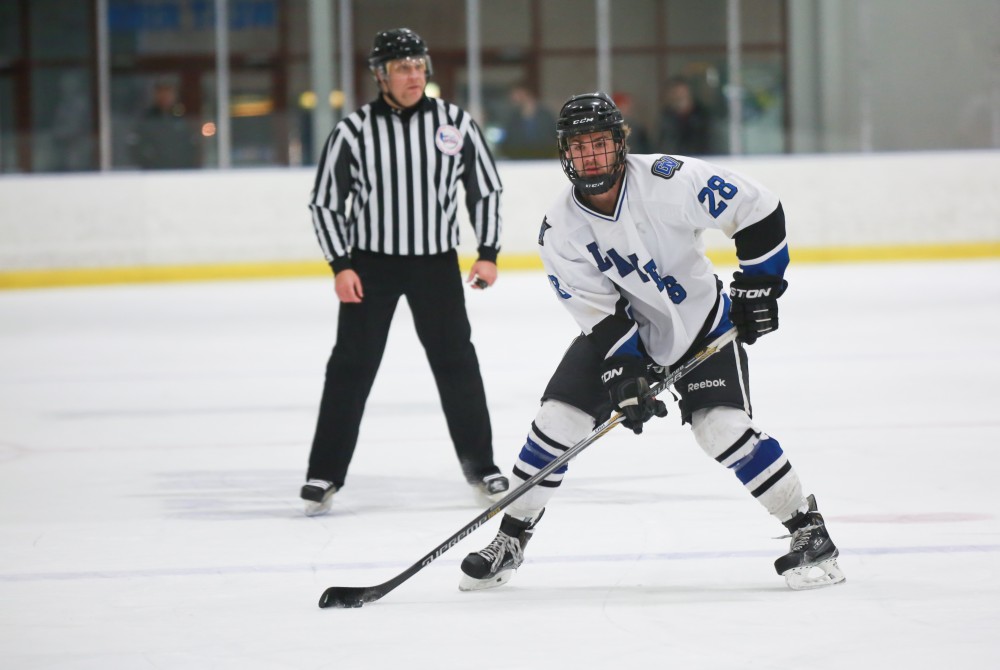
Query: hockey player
point(622, 249)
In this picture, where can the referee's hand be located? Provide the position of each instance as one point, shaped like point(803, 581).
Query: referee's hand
point(482, 275)
point(348, 286)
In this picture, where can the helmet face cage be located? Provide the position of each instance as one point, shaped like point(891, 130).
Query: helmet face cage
point(584, 115)
point(395, 44)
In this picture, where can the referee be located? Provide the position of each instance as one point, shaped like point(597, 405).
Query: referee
point(384, 208)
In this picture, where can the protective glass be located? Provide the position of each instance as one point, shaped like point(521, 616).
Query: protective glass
point(410, 65)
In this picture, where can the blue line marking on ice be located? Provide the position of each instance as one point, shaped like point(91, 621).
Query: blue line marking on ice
point(389, 565)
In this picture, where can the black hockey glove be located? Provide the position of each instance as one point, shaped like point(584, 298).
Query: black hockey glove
point(755, 304)
point(627, 382)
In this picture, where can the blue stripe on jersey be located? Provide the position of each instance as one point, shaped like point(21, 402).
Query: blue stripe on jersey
point(533, 455)
point(629, 347)
point(761, 458)
point(724, 323)
point(774, 265)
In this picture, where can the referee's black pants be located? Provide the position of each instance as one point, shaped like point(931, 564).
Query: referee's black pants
point(435, 293)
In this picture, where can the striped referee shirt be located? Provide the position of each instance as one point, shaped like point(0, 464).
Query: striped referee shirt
point(387, 183)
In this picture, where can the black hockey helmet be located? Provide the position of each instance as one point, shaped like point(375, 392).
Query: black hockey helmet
point(397, 43)
point(592, 113)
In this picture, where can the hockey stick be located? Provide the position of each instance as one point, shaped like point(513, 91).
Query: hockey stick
point(356, 596)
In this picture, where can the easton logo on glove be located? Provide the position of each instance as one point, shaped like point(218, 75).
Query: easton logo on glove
point(749, 293)
point(626, 379)
point(611, 374)
point(754, 307)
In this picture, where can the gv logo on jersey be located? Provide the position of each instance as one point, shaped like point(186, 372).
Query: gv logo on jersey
point(666, 166)
point(646, 272)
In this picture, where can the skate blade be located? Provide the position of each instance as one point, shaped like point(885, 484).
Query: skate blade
point(318, 508)
point(825, 573)
point(472, 584)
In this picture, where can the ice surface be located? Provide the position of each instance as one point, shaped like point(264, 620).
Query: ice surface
point(153, 440)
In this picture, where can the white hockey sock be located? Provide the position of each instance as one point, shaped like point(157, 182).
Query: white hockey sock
point(556, 427)
point(729, 436)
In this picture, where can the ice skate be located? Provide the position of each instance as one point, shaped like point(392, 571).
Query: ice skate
point(318, 496)
point(495, 565)
point(811, 562)
point(491, 488)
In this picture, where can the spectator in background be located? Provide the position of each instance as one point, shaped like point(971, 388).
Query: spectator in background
point(528, 133)
point(684, 122)
point(638, 139)
point(163, 138)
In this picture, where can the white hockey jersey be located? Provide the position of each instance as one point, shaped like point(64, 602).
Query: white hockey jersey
point(650, 251)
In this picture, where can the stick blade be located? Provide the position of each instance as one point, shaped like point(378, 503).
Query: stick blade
point(348, 596)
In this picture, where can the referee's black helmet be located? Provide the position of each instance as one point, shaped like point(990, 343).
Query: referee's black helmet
point(397, 43)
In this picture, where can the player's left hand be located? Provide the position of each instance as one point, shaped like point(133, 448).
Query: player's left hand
point(625, 379)
point(754, 310)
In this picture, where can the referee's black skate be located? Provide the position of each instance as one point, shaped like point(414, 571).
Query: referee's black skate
point(492, 487)
point(318, 496)
point(495, 564)
point(812, 559)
